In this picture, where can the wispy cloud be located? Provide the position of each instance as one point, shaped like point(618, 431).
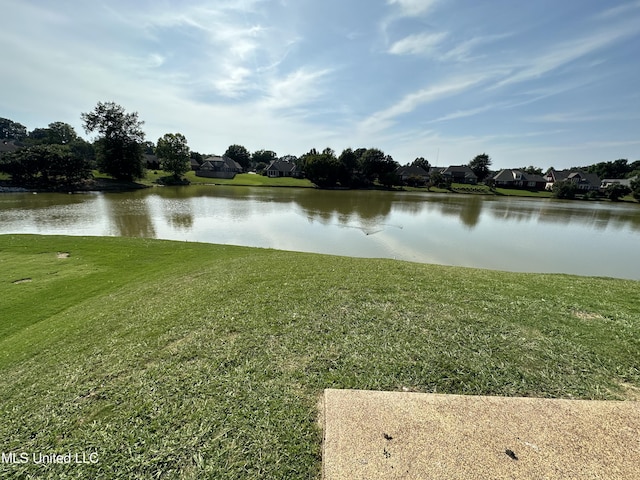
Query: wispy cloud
point(384, 118)
point(464, 50)
point(566, 53)
point(417, 44)
point(619, 10)
point(295, 89)
point(463, 113)
point(413, 7)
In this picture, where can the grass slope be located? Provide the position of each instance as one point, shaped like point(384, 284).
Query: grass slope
point(184, 360)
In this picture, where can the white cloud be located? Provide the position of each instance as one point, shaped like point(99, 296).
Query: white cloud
point(417, 44)
point(560, 55)
point(413, 7)
point(384, 118)
point(619, 10)
point(296, 89)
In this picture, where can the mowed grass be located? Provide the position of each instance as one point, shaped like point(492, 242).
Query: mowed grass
point(250, 179)
point(185, 360)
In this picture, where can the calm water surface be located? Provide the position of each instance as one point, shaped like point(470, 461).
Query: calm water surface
point(515, 234)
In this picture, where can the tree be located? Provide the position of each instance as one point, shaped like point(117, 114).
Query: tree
point(615, 192)
point(422, 163)
point(240, 155)
point(323, 169)
point(57, 133)
point(480, 166)
point(376, 165)
point(616, 169)
point(173, 153)
point(264, 156)
point(635, 188)
point(10, 130)
point(436, 179)
point(46, 166)
point(119, 147)
point(532, 170)
point(564, 189)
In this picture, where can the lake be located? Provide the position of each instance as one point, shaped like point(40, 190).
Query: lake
point(501, 233)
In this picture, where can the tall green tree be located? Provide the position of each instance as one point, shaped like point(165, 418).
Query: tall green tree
point(174, 155)
point(480, 166)
point(635, 188)
point(421, 162)
point(616, 191)
point(376, 165)
point(264, 156)
point(240, 154)
point(57, 133)
point(10, 130)
point(323, 169)
point(119, 146)
point(564, 189)
point(46, 166)
point(616, 169)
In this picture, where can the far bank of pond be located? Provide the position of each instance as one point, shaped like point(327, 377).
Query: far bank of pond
point(502, 233)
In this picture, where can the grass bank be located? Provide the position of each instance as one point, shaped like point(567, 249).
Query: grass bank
point(185, 360)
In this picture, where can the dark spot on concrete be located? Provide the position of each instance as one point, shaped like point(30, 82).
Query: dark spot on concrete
point(388, 437)
point(511, 454)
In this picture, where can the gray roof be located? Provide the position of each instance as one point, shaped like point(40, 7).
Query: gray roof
point(412, 170)
point(508, 175)
point(218, 162)
point(8, 146)
point(460, 169)
point(582, 177)
point(281, 166)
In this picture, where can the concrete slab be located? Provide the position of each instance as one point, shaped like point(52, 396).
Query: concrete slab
point(397, 435)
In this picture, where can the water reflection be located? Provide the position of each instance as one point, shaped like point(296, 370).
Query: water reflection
point(129, 215)
point(550, 236)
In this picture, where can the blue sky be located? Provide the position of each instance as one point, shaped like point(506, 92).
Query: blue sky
point(542, 83)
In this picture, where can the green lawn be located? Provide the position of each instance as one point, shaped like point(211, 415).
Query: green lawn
point(186, 360)
point(252, 180)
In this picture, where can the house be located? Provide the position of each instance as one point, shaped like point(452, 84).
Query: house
point(195, 165)
point(8, 146)
point(218, 167)
point(582, 180)
point(615, 181)
point(151, 161)
point(510, 178)
point(281, 168)
point(460, 174)
point(412, 172)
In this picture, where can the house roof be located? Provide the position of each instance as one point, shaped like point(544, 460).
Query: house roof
point(582, 177)
point(509, 174)
point(7, 146)
point(410, 170)
point(281, 166)
point(452, 169)
point(219, 162)
point(619, 181)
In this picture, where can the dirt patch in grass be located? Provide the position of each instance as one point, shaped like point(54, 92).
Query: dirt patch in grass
point(631, 392)
point(587, 315)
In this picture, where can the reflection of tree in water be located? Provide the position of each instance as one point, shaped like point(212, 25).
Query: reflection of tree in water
point(467, 208)
point(130, 217)
point(181, 221)
point(367, 209)
point(566, 212)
